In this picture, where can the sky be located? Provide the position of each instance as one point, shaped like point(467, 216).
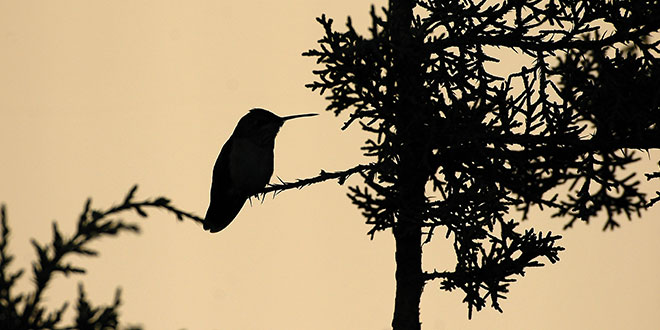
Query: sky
point(96, 96)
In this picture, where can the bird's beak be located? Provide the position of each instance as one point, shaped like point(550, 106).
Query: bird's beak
point(298, 116)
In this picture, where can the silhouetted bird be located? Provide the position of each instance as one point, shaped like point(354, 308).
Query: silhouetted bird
point(244, 166)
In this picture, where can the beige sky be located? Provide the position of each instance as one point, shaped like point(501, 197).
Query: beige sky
point(96, 96)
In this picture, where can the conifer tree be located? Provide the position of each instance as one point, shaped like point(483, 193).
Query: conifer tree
point(458, 148)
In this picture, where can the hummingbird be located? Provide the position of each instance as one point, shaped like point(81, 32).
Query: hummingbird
point(244, 166)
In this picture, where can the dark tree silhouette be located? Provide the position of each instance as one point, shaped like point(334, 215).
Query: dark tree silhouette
point(20, 311)
point(458, 146)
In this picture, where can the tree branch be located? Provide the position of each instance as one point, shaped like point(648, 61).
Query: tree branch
point(160, 202)
point(341, 176)
point(429, 276)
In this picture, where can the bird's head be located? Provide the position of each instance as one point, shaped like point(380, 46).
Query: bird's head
point(262, 125)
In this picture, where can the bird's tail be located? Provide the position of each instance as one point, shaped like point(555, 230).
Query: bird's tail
point(222, 212)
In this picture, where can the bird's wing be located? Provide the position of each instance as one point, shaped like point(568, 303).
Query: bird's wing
point(221, 175)
point(225, 202)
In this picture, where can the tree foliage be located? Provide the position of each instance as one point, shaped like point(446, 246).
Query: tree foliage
point(557, 133)
point(25, 310)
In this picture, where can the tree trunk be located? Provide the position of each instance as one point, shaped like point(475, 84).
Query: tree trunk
point(409, 282)
point(412, 170)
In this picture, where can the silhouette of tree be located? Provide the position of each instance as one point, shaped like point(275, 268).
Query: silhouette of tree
point(458, 146)
point(25, 311)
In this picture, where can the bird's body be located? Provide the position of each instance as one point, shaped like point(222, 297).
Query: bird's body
point(244, 166)
point(251, 178)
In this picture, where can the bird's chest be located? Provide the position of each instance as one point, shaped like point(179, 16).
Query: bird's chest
point(251, 165)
